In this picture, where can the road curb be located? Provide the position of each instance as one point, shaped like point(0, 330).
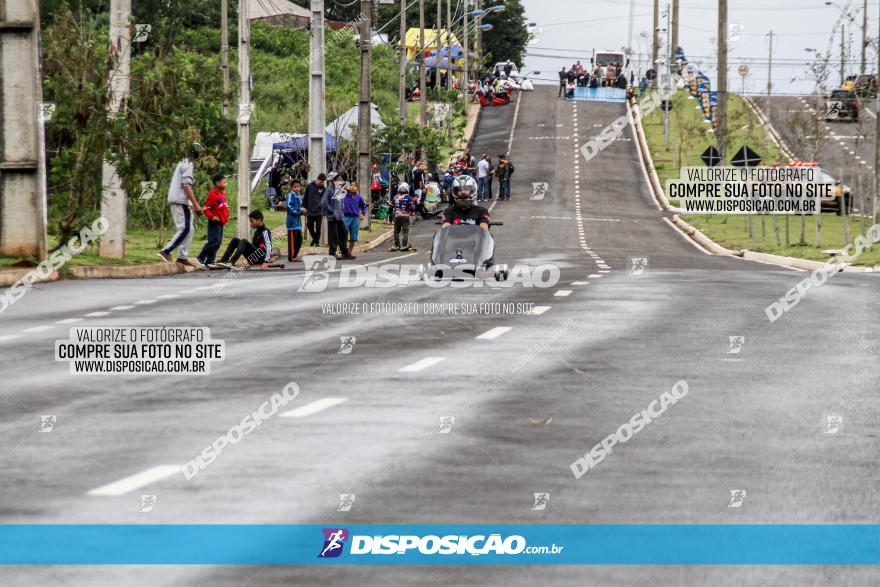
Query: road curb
point(698, 237)
point(11, 276)
point(128, 271)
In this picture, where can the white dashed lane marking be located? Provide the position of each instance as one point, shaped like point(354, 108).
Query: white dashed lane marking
point(136, 481)
point(562, 293)
point(494, 333)
point(538, 310)
point(145, 302)
point(314, 407)
point(37, 329)
point(10, 336)
point(69, 321)
point(118, 308)
point(96, 314)
point(423, 364)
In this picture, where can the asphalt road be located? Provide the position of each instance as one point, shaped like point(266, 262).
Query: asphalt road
point(752, 420)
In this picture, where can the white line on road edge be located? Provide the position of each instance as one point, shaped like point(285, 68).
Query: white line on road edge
point(538, 310)
point(494, 333)
point(513, 125)
point(423, 364)
point(562, 293)
point(314, 407)
point(37, 329)
point(136, 481)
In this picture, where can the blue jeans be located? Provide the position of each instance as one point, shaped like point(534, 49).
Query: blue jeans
point(484, 192)
point(503, 188)
point(215, 237)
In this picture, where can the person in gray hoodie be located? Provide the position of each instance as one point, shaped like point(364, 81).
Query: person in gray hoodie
point(332, 206)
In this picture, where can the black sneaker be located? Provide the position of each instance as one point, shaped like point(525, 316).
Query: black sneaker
point(394, 249)
point(347, 257)
point(410, 249)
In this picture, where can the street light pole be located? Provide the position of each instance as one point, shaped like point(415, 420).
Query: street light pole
point(423, 86)
point(465, 60)
point(449, 68)
point(402, 58)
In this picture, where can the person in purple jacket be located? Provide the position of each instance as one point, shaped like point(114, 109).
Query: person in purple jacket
point(353, 207)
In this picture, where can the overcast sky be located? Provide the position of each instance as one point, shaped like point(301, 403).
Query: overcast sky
point(572, 28)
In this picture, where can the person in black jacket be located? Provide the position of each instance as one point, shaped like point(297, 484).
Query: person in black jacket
point(257, 251)
point(312, 203)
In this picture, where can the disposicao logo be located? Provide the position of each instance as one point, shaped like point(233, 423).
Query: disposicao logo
point(334, 540)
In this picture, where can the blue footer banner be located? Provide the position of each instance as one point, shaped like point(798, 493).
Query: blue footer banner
point(474, 544)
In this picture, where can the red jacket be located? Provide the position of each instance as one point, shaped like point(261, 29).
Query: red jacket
point(216, 206)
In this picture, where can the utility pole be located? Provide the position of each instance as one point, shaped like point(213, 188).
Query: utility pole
point(864, 36)
point(668, 76)
point(244, 118)
point(423, 86)
point(114, 200)
point(721, 111)
point(402, 58)
point(365, 129)
point(629, 28)
point(842, 53)
point(876, 149)
point(317, 138)
point(465, 59)
point(656, 47)
point(478, 43)
point(22, 147)
point(449, 73)
point(224, 53)
point(674, 26)
point(769, 77)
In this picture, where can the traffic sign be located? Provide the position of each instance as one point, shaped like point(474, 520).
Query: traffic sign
point(711, 157)
point(743, 70)
point(746, 157)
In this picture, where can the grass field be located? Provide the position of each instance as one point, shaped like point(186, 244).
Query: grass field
point(689, 136)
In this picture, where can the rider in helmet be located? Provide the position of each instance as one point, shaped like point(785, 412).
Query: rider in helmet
point(462, 209)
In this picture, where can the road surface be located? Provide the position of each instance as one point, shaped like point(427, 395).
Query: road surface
point(607, 343)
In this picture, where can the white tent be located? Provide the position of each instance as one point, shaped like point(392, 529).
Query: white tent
point(341, 128)
point(265, 140)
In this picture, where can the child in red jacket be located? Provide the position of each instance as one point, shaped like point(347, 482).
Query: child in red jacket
point(217, 212)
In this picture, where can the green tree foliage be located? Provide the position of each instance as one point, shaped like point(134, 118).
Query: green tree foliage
point(509, 37)
point(408, 141)
point(172, 102)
